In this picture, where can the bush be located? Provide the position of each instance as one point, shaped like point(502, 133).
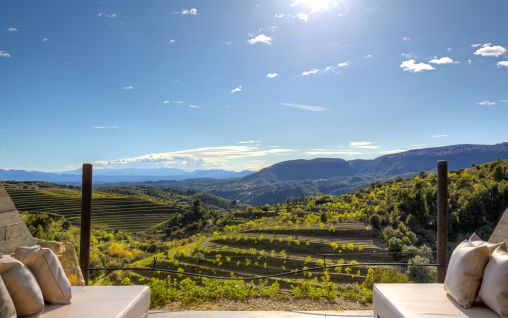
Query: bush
point(375, 221)
point(421, 274)
point(384, 275)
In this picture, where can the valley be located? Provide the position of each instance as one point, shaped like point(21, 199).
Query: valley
point(310, 247)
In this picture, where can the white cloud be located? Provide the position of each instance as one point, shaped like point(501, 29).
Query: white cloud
point(167, 101)
point(237, 89)
point(311, 108)
point(330, 68)
point(249, 142)
point(406, 55)
point(503, 100)
point(310, 72)
point(368, 56)
point(195, 106)
point(228, 42)
point(272, 75)
point(279, 15)
point(364, 144)
point(4, 54)
point(406, 38)
point(236, 157)
point(442, 60)
point(390, 152)
point(502, 63)
point(128, 88)
point(439, 136)
point(191, 11)
point(413, 67)
point(303, 16)
point(106, 127)
point(171, 41)
point(112, 15)
point(488, 49)
point(475, 45)
point(12, 29)
point(45, 40)
point(487, 103)
point(260, 38)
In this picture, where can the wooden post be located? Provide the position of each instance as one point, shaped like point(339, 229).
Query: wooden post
point(442, 220)
point(86, 220)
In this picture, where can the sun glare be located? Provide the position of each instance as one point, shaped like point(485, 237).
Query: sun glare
point(316, 5)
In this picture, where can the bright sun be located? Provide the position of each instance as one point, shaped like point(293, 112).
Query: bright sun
point(316, 5)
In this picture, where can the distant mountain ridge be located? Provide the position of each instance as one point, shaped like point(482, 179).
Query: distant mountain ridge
point(294, 178)
point(408, 162)
point(120, 175)
point(288, 178)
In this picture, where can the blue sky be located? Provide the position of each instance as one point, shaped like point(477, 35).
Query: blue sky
point(243, 84)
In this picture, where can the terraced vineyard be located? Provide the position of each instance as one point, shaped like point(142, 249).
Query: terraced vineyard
point(113, 211)
point(266, 251)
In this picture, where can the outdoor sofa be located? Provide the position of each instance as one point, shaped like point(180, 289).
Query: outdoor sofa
point(430, 300)
point(87, 301)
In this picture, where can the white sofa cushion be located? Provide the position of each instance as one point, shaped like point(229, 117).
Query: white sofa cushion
point(421, 301)
point(494, 288)
point(44, 264)
point(103, 302)
point(7, 309)
point(465, 270)
point(22, 286)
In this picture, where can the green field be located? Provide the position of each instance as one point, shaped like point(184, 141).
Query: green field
point(112, 211)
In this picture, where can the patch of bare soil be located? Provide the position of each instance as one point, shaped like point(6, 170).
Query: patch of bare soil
point(269, 304)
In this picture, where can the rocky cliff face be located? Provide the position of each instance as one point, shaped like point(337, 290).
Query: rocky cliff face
point(13, 231)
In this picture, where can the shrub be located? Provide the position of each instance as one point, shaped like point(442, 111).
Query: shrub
point(375, 221)
point(421, 274)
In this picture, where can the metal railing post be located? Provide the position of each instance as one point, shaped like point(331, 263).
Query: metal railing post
point(442, 220)
point(86, 220)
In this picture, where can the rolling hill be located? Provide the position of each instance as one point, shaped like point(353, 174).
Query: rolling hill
point(294, 178)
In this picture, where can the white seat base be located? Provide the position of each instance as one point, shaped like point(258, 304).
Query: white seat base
point(103, 302)
point(421, 300)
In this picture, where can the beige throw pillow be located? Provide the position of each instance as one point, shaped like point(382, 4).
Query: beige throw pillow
point(494, 288)
point(465, 270)
point(7, 309)
point(477, 241)
point(22, 286)
point(48, 271)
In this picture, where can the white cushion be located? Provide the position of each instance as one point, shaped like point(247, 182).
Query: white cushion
point(494, 288)
point(7, 309)
point(22, 286)
point(465, 270)
point(421, 301)
point(44, 264)
point(103, 302)
point(477, 241)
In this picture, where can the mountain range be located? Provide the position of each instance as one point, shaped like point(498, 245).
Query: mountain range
point(294, 178)
point(285, 179)
point(101, 176)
